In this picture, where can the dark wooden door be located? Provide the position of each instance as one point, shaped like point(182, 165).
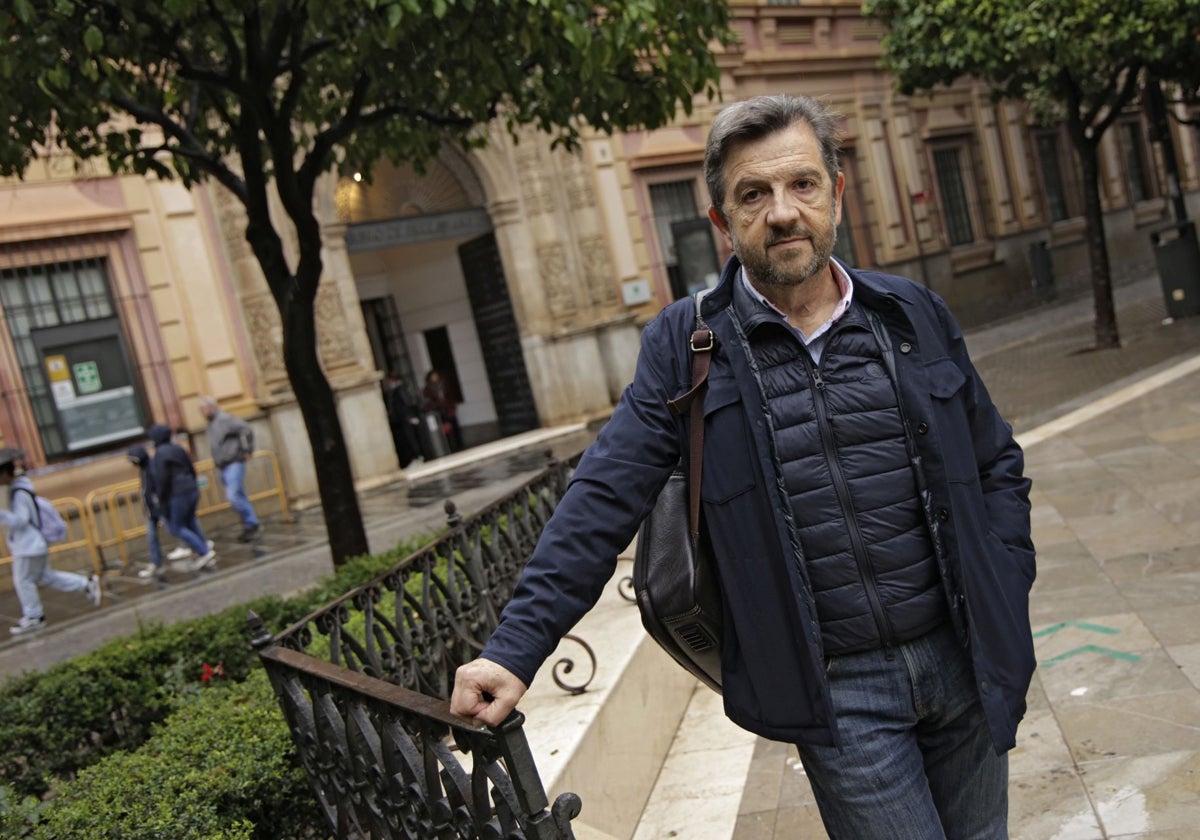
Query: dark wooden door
point(498, 335)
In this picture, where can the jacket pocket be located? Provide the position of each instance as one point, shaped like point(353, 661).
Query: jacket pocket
point(729, 463)
point(945, 379)
point(947, 387)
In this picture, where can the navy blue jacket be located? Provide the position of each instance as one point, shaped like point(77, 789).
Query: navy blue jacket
point(772, 664)
point(171, 468)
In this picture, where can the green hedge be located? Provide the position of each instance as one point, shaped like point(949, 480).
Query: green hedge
point(220, 767)
point(56, 722)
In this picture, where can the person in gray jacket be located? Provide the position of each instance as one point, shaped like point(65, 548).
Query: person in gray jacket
point(30, 553)
point(231, 441)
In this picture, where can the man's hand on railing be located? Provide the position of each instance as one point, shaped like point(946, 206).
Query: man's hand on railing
point(485, 691)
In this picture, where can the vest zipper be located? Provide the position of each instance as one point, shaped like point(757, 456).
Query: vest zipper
point(883, 338)
point(843, 493)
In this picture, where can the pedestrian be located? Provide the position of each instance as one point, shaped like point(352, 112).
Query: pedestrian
point(30, 551)
point(179, 495)
point(231, 442)
point(140, 458)
point(437, 398)
point(864, 501)
point(402, 418)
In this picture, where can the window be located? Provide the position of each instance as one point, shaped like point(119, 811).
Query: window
point(1050, 160)
point(673, 201)
point(68, 339)
point(948, 165)
point(1137, 165)
point(386, 336)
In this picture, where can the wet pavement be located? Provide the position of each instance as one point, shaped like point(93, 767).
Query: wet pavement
point(1111, 746)
point(288, 556)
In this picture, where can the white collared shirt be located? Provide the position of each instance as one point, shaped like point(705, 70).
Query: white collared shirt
point(815, 343)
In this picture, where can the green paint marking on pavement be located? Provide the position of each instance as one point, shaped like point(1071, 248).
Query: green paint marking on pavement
point(1115, 654)
point(1082, 625)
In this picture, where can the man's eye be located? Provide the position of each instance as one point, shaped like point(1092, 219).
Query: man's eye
point(751, 195)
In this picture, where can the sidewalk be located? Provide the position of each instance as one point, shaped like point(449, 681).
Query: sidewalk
point(1111, 747)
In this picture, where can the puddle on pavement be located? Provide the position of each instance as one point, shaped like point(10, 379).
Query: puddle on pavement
point(437, 489)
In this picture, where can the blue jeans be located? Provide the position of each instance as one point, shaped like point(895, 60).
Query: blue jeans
point(916, 760)
point(183, 524)
point(233, 476)
point(153, 543)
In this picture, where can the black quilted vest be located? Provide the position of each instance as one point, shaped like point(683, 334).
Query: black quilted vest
point(841, 448)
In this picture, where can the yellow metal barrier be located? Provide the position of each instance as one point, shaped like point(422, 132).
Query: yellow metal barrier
point(113, 516)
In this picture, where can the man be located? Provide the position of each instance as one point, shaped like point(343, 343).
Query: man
point(30, 553)
point(402, 417)
point(174, 478)
point(231, 441)
point(864, 500)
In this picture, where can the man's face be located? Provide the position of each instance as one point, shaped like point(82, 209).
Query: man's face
point(781, 208)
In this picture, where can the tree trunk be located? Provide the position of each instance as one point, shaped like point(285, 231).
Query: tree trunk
point(1105, 324)
point(335, 481)
point(295, 298)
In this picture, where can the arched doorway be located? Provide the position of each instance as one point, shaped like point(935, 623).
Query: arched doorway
point(434, 296)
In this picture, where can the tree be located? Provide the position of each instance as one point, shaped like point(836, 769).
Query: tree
point(262, 94)
point(1078, 61)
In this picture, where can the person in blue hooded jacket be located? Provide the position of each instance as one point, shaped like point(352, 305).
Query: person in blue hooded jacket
point(864, 500)
point(30, 552)
point(140, 458)
point(179, 494)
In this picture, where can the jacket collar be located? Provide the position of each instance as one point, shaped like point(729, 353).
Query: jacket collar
point(870, 288)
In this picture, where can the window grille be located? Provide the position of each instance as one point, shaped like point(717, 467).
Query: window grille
point(956, 210)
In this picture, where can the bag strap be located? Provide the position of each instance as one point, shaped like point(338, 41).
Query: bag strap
point(33, 498)
point(701, 344)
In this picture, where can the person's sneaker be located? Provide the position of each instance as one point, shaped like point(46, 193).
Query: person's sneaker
point(152, 571)
point(94, 593)
point(206, 561)
point(179, 552)
point(250, 534)
point(28, 625)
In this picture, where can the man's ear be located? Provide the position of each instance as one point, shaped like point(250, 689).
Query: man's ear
point(722, 225)
point(839, 188)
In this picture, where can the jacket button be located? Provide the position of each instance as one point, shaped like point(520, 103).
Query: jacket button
point(905, 347)
point(943, 514)
point(922, 428)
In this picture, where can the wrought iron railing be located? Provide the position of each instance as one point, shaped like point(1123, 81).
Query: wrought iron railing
point(380, 760)
point(363, 683)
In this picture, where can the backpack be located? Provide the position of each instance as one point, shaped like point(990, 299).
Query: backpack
point(49, 520)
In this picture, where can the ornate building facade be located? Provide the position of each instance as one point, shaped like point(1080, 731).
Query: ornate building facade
point(522, 274)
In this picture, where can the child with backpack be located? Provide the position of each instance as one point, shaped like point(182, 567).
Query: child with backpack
point(30, 550)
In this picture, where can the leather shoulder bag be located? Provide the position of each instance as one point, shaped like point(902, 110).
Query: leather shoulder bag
point(674, 576)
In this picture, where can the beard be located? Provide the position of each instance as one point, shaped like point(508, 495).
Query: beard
point(761, 268)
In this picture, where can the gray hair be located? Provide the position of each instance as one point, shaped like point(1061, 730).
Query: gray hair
point(752, 119)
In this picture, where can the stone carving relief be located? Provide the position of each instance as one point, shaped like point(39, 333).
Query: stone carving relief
point(333, 333)
point(578, 180)
point(597, 271)
point(536, 187)
point(266, 337)
point(231, 215)
point(552, 266)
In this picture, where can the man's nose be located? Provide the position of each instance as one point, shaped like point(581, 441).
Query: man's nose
point(783, 210)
